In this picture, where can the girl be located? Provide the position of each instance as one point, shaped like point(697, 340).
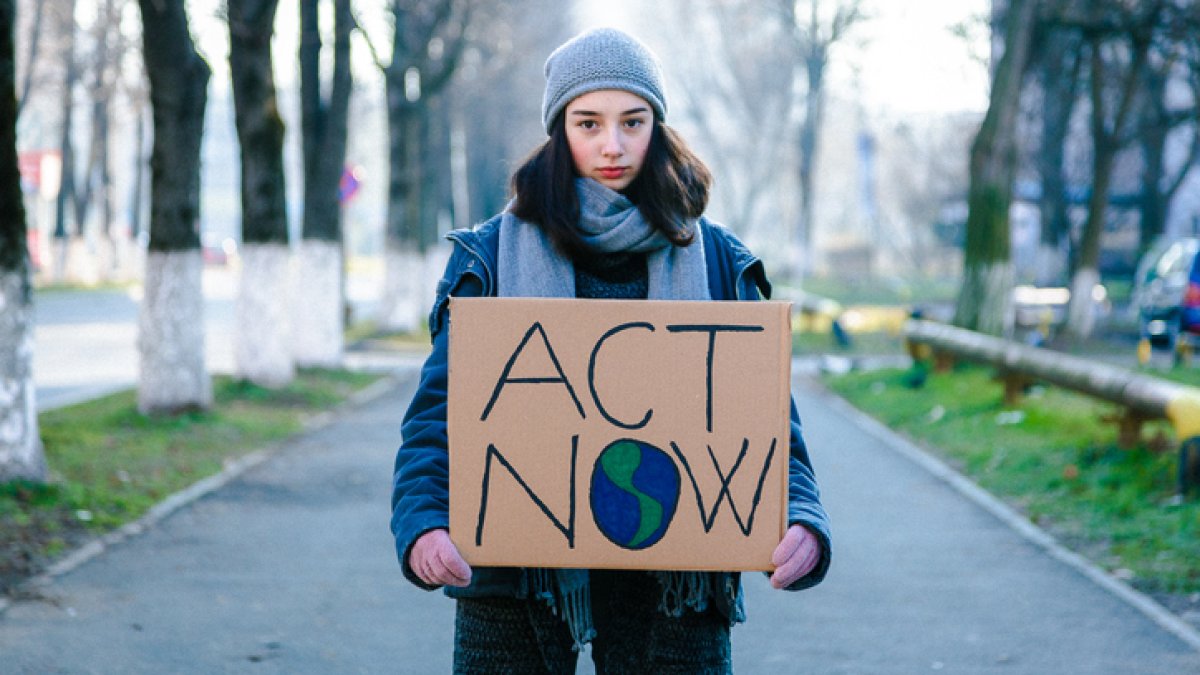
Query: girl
point(609, 207)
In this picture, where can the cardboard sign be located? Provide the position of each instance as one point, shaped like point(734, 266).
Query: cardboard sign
point(618, 434)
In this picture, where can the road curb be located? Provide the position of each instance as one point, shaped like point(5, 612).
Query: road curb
point(1148, 606)
point(232, 469)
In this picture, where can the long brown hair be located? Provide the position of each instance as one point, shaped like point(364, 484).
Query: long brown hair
point(672, 187)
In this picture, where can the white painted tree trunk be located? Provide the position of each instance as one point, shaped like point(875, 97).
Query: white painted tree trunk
point(317, 321)
point(1081, 309)
point(20, 444)
point(261, 351)
point(996, 308)
point(172, 373)
point(402, 307)
point(409, 287)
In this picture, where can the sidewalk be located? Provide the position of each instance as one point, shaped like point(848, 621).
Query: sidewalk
point(289, 569)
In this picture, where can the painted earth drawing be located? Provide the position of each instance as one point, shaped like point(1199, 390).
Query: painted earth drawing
point(635, 489)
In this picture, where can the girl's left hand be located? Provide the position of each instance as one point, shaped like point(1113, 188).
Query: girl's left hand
point(795, 556)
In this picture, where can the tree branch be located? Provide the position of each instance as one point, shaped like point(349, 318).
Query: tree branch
point(1186, 168)
point(357, 27)
point(434, 81)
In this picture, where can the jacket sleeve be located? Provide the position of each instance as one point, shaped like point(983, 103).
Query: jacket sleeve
point(421, 480)
point(804, 503)
point(804, 498)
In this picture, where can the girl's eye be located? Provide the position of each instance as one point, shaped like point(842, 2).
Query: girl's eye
point(588, 124)
point(634, 123)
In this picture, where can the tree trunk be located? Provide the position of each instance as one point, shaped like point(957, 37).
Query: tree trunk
point(810, 128)
point(31, 56)
point(1060, 72)
point(1153, 202)
point(173, 375)
point(317, 325)
point(66, 185)
point(1158, 190)
point(984, 302)
point(136, 205)
point(105, 205)
point(20, 444)
point(98, 92)
point(320, 313)
point(435, 159)
point(402, 305)
point(262, 349)
point(1081, 319)
point(415, 75)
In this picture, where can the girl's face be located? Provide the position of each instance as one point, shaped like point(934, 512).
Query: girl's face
point(608, 132)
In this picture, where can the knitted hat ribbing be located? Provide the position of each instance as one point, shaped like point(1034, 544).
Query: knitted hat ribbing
point(604, 58)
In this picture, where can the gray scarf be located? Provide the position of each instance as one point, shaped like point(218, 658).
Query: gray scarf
point(530, 266)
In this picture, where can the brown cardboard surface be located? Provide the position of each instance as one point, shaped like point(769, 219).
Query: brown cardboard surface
point(618, 434)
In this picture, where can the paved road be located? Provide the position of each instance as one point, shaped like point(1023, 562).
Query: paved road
point(289, 569)
point(85, 342)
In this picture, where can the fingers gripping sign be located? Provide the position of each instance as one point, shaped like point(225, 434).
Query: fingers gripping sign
point(436, 560)
point(795, 556)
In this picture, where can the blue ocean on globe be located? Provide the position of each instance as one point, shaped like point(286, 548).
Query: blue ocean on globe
point(635, 489)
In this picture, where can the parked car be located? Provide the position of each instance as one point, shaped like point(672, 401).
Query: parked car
point(1167, 290)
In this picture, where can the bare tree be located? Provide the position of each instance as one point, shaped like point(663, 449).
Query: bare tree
point(1058, 66)
point(93, 188)
point(924, 162)
point(21, 453)
point(31, 57)
point(1174, 55)
point(984, 302)
point(1116, 65)
point(501, 69)
point(428, 39)
point(83, 65)
point(814, 34)
point(739, 76)
point(62, 229)
point(262, 351)
point(317, 334)
point(173, 375)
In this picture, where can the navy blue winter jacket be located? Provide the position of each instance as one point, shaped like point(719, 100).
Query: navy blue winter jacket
point(420, 487)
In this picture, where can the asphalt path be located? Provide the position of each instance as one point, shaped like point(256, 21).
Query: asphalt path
point(289, 568)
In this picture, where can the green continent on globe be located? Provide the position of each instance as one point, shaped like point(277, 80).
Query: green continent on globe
point(620, 461)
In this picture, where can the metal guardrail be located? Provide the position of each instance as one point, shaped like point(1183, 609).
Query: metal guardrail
point(1142, 397)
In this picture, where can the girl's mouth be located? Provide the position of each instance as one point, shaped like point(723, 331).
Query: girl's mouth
point(612, 172)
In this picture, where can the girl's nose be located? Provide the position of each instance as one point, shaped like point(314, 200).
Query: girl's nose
point(612, 144)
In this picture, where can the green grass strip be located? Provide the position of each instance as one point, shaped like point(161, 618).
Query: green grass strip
point(1055, 459)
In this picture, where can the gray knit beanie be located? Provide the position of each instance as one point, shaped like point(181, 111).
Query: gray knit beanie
point(604, 58)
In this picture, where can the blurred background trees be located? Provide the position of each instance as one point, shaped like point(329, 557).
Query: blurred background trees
point(428, 39)
point(1114, 142)
point(398, 120)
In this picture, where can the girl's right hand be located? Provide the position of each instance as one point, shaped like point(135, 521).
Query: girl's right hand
point(435, 559)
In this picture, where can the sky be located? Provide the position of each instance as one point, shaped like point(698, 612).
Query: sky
point(905, 58)
point(912, 61)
